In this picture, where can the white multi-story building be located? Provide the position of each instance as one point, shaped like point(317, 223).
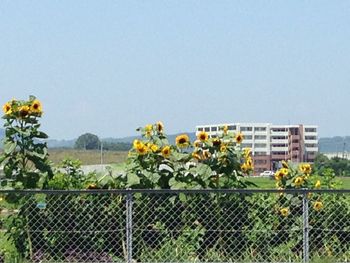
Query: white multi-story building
point(272, 143)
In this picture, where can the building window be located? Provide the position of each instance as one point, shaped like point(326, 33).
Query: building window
point(279, 145)
point(294, 131)
point(310, 138)
point(260, 137)
point(200, 129)
point(246, 128)
point(260, 128)
point(260, 145)
point(260, 162)
point(310, 145)
point(231, 127)
point(260, 153)
point(214, 128)
point(207, 129)
point(310, 129)
point(279, 129)
point(246, 145)
point(248, 137)
point(279, 138)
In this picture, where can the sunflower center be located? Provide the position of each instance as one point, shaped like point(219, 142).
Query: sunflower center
point(182, 141)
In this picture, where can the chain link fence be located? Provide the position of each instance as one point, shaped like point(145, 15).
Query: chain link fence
point(177, 226)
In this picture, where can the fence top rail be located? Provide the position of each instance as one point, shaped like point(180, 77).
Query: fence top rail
point(174, 191)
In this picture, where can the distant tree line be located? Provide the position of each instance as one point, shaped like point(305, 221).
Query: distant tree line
point(340, 166)
point(89, 141)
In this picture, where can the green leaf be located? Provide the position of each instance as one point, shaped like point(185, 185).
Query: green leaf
point(176, 184)
point(41, 135)
point(182, 197)
point(132, 179)
point(204, 170)
point(9, 147)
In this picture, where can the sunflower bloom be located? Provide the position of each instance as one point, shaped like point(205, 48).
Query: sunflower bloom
point(182, 141)
point(7, 108)
point(36, 107)
point(239, 138)
point(247, 152)
point(284, 212)
point(166, 151)
point(225, 129)
point(305, 168)
point(206, 154)
point(249, 161)
point(160, 127)
point(285, 164)
point(197, 143)
point(318, 184)
point(279, 175)
point(284, 171)
point(196, 155)
point(216, 142)
point(136, 144)
point(318, 205)
point(148, 129)
point(154, 148)
point(142, 149)
point(298, 181)
point(244, 168)
point(203, 136)
point(24, 111)
point(223, 148)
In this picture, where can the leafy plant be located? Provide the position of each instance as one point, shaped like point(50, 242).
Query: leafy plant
point(206, 163)
point(25, 156)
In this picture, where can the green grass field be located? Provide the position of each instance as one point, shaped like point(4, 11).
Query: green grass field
point(267, 183)
point(87, 157)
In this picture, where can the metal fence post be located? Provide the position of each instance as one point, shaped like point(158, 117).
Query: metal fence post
point(129, 203)
point(306, 254)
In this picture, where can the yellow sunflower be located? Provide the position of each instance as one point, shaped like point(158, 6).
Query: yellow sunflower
point(142, 149)
point(239, 138)
point(249, 161)
point(203, 136)
point(225, 129)
point(284, 171)
point(7, 108)
point(318, 205)
point(285, 164)
point(166, 151)
point(216, 142)
point(206, 154)
point(160, 127)
point(247, 152)
point(154, 148)
point(318, 184)
point(279, 175)
point(298, 181)
point(136, 143)
point(197, 143)
point(148, 129)
point(244, 167)
point(305, 168)
point(182, 140)
point(36, 107)
point(24, 111)
point(284, 212)
point(196, 155)
point(223, 147)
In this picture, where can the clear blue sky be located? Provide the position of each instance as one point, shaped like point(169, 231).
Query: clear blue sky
point(108, 67)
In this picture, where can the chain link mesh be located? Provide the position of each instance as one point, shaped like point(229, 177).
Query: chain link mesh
point(180, 226)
